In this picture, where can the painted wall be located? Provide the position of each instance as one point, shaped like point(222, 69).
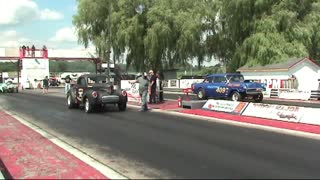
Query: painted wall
point(306, 72)
point(307, 75)
point(270, 78)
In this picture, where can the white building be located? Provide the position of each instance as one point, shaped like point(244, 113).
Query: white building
point(296, 74)
point(33, 71)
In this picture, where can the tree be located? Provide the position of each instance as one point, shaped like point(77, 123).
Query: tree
point(173, 33)
point(265, 31)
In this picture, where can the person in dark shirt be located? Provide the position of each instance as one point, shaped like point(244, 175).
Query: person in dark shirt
point(45, 85)
point(153, 87)
point(160, 79)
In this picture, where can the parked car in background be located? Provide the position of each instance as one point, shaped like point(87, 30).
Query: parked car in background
point(92, 91)
point(3, 87)
point(228, 86)
point(12, 88)
point(54, 82)
point(9, 86)
point(264, 85)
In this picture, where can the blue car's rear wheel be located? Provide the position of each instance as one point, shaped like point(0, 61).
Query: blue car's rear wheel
point(201, 94)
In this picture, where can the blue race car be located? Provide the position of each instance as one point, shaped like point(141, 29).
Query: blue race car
point(228, 86)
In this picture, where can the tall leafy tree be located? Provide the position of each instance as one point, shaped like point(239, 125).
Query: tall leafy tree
point(173, 33)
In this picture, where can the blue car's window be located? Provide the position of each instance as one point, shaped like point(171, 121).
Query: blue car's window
point(235, 78)
point(208, 80)
point(219, 79)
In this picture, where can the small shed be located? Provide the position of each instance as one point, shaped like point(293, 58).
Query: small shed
point(170, 74)
point(296, 73)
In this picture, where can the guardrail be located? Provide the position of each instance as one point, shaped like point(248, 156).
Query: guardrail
point(315, 94)
point(180, 83)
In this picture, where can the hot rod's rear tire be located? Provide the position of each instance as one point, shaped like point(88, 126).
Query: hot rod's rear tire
point(88, 108)
point(122, 106)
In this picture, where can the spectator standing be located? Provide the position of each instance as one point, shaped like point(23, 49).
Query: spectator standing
point(44, 51)
point(153, 86)
point(45, 85)
point(67, 84)
point(143, 90)
point(160, 86)
point(33, 51)
point(24, 50)
point(28, 51)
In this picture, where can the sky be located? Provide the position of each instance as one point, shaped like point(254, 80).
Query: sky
point(38, 22)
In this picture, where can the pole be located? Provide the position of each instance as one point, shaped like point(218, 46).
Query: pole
point(19, 61)
point(109, 43)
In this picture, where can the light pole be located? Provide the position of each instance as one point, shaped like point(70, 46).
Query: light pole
point(109, 44)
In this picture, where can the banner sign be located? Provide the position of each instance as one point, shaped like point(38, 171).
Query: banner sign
point(300, 95)
point(310, 116)
point(273, 111)
point(186, 83)
point(132, 90)
point(173, 83)
point(35, 63)
point(225, 106)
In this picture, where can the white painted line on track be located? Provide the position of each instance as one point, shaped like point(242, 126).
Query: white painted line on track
point(241, 124)
point(102, 168)
point(1, 175)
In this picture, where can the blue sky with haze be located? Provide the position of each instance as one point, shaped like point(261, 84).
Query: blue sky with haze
point(37, 22)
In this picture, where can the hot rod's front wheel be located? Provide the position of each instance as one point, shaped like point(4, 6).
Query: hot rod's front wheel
point(70, 102)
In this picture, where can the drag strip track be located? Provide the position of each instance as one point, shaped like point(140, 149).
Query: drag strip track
point(158, 145)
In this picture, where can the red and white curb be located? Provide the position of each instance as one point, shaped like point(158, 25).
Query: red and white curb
point(102, 168)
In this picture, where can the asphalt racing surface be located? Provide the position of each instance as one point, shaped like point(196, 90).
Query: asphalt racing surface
point(159, 145)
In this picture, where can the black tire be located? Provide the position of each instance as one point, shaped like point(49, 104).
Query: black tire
point(99, 108)
point(122, 106)
point(88, 107)
point(235, 96)
point(201, 95)
point(258, 98)
point(70, 102)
